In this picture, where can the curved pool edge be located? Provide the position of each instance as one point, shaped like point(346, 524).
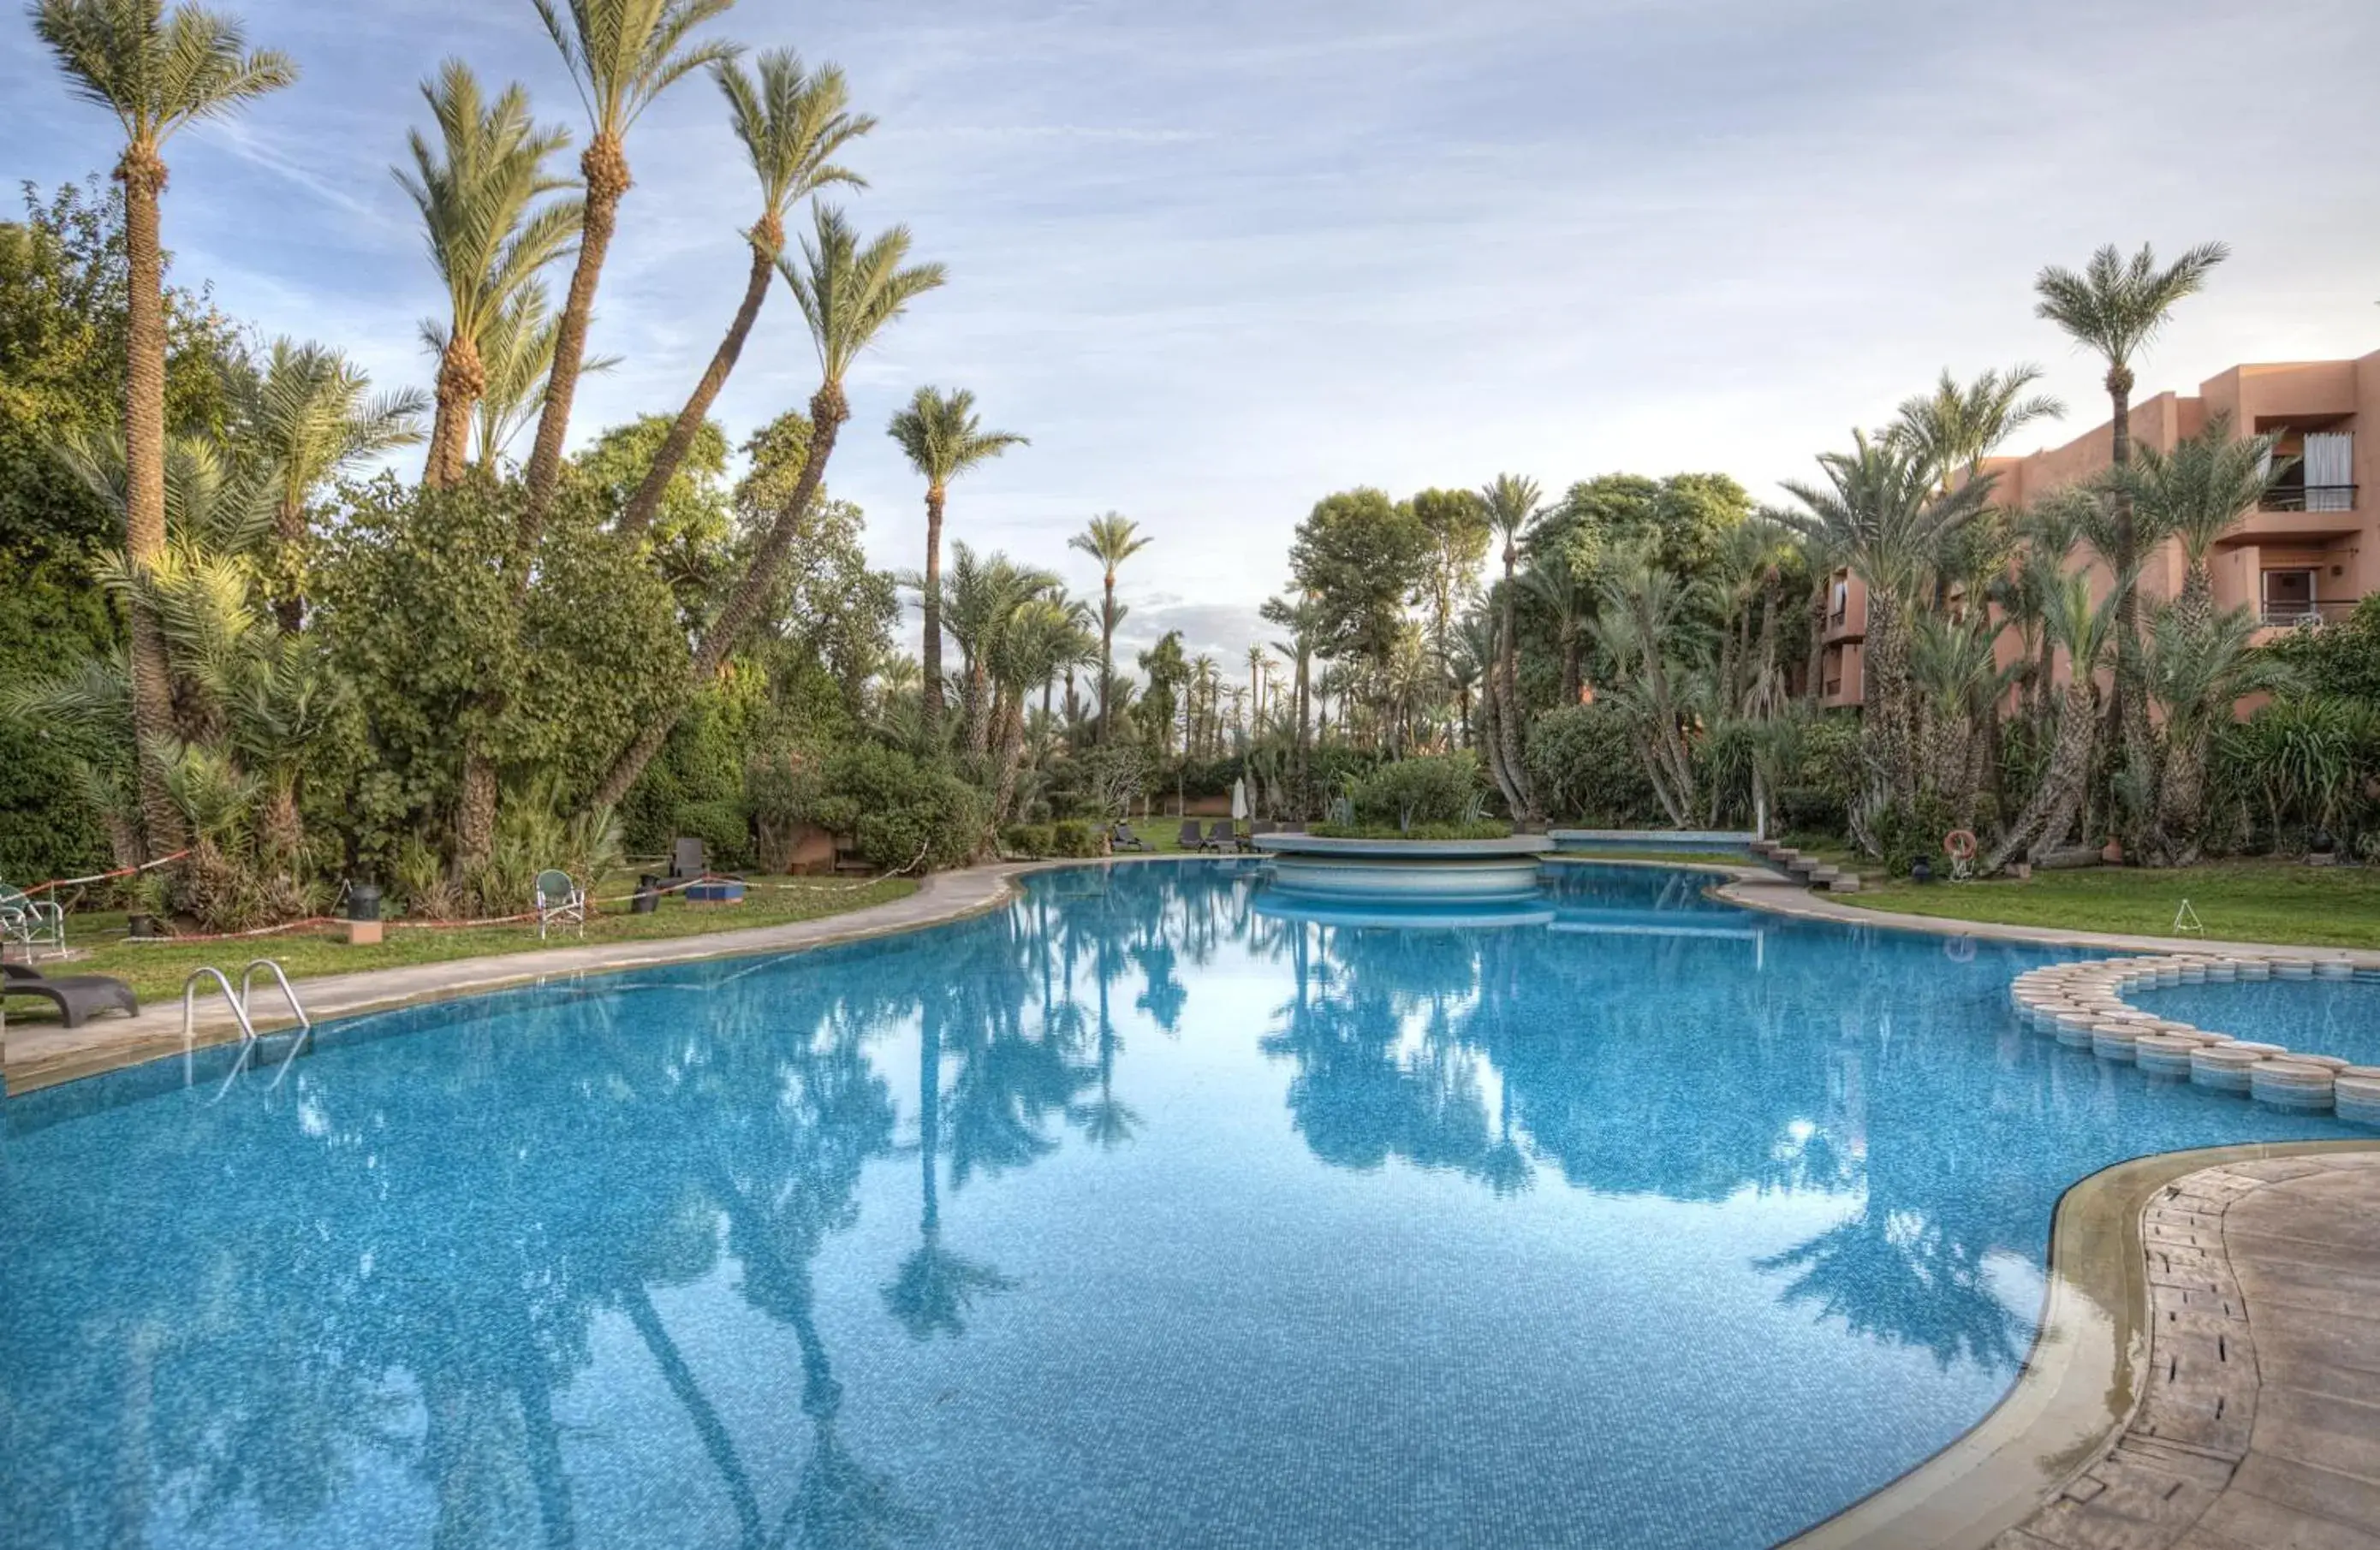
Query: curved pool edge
point(2082, 1381)
point(59, 1056)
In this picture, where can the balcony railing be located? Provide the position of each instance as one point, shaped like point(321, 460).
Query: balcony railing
point(2309, 498)
point(2305, 616)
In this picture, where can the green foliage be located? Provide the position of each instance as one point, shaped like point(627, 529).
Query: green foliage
point(1683, 517)
point(1030, 841)
point(1437, 789)
point(1073, 837)
point(1585, 766)
point(420, 616)
point(721, 826)
point(1360, 555)
point(898, 813)
point(2340, 661)
point(1483, 829)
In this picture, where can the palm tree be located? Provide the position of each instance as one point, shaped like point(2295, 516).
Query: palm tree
point(2085, 630)
point(621, 56)
point(2198, 667)
point(943, 439)
point(310, 417)
point(1304, 621)
point(2116, 307)
point(1511, 504)
point(1954, 429)
point(1567, 594)
point(1881, 512)
point(1643, 613)
point(515, 351)
point(476, 190)
point(2197, 494)
point(157, 72)
point(792, 125)
point(1110, 539)
point(847, 293)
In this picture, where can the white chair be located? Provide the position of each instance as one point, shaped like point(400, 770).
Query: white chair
point(559, 900)
point(30, 923)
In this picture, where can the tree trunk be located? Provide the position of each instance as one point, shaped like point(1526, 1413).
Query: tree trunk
point(475, 813)
point(1508, 713)
point(1569, 661)
point(1891, 774)
point(929, 702)
point(828, 411)
point(289, 543)
point(604, 167)
point(680, 439)
point(462, 379)
point(2129, 710)
point(1012, 758)
point(143, 176)
point(1815, 687)
point(1107, 656)
point(2051, 812)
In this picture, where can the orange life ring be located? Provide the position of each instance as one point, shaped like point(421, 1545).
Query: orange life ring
point(1960, 844)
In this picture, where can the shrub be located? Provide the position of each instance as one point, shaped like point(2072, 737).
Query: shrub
point(1483, 829)
point(1585, 768)
point(721, 826)
point(1437, 789)
point(1076, 838)
point(897, 812)
point(1030, 839)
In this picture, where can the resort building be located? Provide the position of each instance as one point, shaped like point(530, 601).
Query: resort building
point(2307, 555)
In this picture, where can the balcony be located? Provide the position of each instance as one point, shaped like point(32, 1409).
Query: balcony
point(2309, 498)
point(2305, 616)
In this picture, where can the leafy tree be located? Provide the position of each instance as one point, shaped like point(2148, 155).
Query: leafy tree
point(1167, 669)
point(941, 437)
point(1361, 557)
point(157, 72)
point(1512, 504)
point(693, 520)
point(792, 123)
point(1458, 530)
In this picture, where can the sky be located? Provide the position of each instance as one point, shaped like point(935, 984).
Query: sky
point(1219, 257)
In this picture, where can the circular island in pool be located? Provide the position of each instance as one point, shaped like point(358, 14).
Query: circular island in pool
point(1467, 871)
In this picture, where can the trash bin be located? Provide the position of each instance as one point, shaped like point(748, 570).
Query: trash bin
point(363, 901)
point(648, 897)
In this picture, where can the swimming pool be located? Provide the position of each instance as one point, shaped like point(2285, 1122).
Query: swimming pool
point(1142, 1212)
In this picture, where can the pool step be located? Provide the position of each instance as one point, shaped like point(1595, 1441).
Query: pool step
point(1805, 869)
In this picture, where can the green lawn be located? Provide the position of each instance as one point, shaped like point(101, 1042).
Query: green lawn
point(2237, 900)
point(156, 972)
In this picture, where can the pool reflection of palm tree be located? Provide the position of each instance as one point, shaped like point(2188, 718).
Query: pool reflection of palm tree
point(935, 1287)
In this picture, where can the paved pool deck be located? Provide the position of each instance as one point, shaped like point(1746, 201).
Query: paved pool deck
point(2208, 1374)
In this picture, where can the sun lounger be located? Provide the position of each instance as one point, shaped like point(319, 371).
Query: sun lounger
point(75, 996)
point(1123, 839)
point(1222, 835)
point(1189, 839)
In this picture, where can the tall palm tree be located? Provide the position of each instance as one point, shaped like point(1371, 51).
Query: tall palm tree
point(847, 293)
point(1257, 662)
point(1304, 621)
point(1110, 539)
point(792, 125)
point(476, 189)
point(157, 72)
point(1642, 615)
point(311, 415)
point(1881, 513)
point(1511, 504)
point(943, 439)
point(1954, 427)
point(621, 56)
point(2196, 493)
point(2116, 307)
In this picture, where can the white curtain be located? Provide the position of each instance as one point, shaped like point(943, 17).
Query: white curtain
point(2330, 471)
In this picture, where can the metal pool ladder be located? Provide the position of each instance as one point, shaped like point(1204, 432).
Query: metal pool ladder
point(239, 1002)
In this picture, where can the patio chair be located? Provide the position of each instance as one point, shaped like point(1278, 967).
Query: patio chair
point(560, 901)
point(75, 996)
point(30, 923)
point(1123, 839)
point(688, 858)
point(1188, 839)
point(1222, 835)
point(1256, 826)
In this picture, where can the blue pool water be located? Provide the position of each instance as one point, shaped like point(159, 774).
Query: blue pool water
point(2310, 1016)
point(1147, 1212)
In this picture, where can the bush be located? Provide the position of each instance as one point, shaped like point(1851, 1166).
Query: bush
point(1585, 768)
point(722, 827)
point(1484, 828)
point(1437, 789)
point(1076, 838)
point(898, 813)
point(1032, 840)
